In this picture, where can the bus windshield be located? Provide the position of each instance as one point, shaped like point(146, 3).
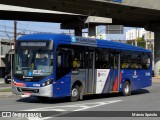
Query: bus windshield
point(33, 62)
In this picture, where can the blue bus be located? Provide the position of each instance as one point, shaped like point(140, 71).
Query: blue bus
point(58, 65)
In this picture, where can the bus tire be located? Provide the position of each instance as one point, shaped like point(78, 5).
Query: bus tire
point(7, 82)
point(126, 89)
point(75, 93)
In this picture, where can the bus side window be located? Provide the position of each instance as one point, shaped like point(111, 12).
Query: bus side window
point(146, 61)
point(125, 60)
point(63, 63)
point(78, 58)
point(102, 59)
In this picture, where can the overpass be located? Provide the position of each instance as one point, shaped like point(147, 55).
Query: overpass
point(133, 13)
point(138, 13)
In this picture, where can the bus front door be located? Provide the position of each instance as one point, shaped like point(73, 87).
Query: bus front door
point(90, 72)
point(115, 72)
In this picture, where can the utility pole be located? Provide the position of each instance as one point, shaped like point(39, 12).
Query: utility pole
point(15, 38)
point(15, 33)
point(136, 37)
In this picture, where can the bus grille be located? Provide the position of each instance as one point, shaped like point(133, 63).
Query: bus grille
point(28, 90)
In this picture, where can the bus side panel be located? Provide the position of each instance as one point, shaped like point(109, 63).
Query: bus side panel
point(132, 76)
point(62, 87)
point(103, 80)
point(111, 81)
point(138, 78)
point(78, 75)
point(145, 78)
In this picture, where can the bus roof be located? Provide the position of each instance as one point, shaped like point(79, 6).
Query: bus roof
point(62, 38)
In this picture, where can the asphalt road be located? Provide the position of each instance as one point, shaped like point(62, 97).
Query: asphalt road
point(142, 100)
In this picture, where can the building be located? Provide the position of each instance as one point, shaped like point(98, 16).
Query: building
point(148, 36)
point(135, 33)
point(121, 41)
point(5, 46)
point(99, 36)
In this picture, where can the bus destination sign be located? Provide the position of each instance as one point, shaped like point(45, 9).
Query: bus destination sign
point(81, 40)
point(33, 44)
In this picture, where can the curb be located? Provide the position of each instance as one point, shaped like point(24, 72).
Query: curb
point(7, 95)
point(156, 80)
point(1, 82)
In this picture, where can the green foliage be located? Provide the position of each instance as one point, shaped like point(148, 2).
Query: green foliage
point(6, 90)
point(130, 42)
point(140, 39)
point(140, 42)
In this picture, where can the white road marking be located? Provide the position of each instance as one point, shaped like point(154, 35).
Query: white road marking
point(75, 107)
point(36, 118)
point(100, 104)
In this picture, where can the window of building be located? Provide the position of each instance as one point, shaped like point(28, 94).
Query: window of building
point(1, 50)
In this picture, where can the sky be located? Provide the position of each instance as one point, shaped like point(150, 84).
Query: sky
point(27, 27)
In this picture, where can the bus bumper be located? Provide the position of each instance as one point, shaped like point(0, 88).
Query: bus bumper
point(46, 91)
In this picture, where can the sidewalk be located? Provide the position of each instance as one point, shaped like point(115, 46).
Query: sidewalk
point(1, 80)
point(156, 80)
point(7, 95)
point(4, 86)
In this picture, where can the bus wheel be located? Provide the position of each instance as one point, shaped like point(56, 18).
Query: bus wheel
point(75, 93)
point(127, 89)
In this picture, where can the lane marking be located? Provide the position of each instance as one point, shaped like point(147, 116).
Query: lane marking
point(100, 104)
point(75, 105)
point(70, 108)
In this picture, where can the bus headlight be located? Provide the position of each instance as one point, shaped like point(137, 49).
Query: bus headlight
point(48, 82)
point(43, 84)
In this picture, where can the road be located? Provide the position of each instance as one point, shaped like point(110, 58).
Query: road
point(142, 100)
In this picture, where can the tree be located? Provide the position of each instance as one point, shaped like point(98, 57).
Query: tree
point(140, 42)
point(132, 42)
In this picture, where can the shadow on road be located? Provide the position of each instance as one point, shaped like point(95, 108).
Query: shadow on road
point(140, 91)
point(86, 97)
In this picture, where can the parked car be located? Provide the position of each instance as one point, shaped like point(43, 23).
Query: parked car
point(7, 78)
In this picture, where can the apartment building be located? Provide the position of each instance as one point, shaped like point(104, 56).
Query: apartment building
point(5, 46)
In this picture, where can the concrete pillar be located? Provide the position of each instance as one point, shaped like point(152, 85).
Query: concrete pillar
point(78, 32)
point(92, 30)
point(157, 54)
